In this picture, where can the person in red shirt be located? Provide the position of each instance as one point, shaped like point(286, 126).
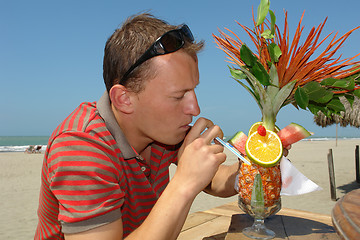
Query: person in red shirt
point(105, 173)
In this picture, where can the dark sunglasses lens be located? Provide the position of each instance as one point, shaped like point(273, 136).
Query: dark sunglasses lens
point(172, 41)
point(187, 33)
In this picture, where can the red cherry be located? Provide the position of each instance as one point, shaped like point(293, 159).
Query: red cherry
point(261, 130)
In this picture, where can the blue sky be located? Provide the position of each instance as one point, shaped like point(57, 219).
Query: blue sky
point(51, 56)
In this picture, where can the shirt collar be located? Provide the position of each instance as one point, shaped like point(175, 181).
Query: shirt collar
point(105, 111)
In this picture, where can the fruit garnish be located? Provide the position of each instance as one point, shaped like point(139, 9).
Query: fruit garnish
point(264, 150)
point(239, 141)
point(255, 126)
point(261, 130)
point(292, 133)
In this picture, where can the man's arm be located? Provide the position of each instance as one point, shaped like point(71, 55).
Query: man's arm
point(164, 221)
point(198, 163)
point(111, 231)
point(223, 182)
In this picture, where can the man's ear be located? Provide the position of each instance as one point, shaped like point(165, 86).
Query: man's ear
point(120, 98)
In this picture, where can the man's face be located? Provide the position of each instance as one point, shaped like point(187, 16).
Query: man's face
point(165, 108)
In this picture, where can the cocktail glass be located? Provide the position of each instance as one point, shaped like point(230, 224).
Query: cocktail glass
point(259, 197)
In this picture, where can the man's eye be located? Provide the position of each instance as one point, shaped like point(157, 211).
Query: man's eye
point(179, 97)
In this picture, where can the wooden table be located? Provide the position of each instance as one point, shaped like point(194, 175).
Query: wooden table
point(346, 215)
point(227, 221)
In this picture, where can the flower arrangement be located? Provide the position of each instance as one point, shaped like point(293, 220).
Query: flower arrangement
point(282, 72)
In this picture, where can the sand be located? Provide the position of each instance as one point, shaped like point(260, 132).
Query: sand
point(20, 183)
point(19, 193)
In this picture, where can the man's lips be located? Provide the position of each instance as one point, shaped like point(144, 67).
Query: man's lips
point(187, 126)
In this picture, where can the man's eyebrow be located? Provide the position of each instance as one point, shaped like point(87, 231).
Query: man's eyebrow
point(185, 89)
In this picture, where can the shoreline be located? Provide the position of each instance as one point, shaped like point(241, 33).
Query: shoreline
point(6, 148)
point(20, 183)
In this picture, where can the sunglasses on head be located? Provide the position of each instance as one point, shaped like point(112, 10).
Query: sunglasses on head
point(169, 42)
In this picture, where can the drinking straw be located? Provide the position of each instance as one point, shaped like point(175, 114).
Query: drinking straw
point(232, 149)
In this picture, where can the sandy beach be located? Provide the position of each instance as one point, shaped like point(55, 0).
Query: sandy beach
point(20, 182)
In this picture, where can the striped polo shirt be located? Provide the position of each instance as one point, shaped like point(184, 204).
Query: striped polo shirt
point(91, 176)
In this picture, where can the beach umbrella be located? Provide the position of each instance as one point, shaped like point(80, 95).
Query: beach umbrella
point(349, 117)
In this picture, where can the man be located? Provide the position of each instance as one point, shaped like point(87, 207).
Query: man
point(105, 173)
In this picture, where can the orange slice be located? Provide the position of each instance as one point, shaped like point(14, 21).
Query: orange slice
point(264, 150)
point(255, 126)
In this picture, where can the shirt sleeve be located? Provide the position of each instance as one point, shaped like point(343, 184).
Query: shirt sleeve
point(84, 175)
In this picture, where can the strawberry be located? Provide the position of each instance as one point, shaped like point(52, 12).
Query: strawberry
point(261, 130)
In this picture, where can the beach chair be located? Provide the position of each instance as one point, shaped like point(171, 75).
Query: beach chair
point(37, 149)
point(30, 149)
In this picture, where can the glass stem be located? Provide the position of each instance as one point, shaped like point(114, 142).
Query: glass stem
point(258, 223)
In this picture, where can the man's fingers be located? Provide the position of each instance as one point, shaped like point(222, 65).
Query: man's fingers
point(201, 125)
point(204, 128)
point(210, 134)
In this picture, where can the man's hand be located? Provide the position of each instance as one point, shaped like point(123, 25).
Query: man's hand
point(199, 159)
point(286, 150)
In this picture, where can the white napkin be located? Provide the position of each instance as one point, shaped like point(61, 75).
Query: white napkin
point(293, 181)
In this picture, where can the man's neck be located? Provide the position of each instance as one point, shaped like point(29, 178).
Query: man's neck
point(135, 139)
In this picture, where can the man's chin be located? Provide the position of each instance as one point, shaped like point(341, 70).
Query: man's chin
point(174, 141)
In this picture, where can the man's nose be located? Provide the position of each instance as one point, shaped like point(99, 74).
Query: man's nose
point(192, 108)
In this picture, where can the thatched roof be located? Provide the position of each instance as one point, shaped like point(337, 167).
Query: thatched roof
point(351, 116)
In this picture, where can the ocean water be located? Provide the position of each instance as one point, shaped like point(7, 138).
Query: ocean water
point(21, 143)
